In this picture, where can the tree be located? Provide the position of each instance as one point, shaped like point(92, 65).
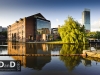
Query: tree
point(72, 32)
point(91, 35)
point(4, 33)
point(97, 35)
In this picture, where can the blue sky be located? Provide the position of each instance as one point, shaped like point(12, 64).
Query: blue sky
point(54, 10)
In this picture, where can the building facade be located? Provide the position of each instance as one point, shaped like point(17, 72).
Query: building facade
point(86, 19)
point(30, 28)
point(54, 32)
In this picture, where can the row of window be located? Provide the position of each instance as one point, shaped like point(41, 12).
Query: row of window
point(17, 33)
point(16, 28)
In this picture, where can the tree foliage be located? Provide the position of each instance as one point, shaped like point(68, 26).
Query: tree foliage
point(72, 32)
point(4, 33)
point(95, 35)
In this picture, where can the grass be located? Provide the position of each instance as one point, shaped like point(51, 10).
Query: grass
point(56, 41)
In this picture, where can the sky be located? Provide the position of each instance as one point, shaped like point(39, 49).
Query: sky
point(54, 10)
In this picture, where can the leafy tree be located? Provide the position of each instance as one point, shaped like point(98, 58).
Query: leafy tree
point(97, 35)
point(72, 32)
point(4, 33)
point(91, 35)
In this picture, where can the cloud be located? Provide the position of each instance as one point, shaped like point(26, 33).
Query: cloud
point(95, 26)
point(57, 20)
point(80, 21)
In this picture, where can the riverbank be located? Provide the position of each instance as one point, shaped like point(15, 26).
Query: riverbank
point(92, 58)
point(55, 42)
point(94, 53)
point(58, 42)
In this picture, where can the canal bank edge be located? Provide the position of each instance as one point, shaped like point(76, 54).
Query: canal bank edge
point(93, 53)
point(57, 42)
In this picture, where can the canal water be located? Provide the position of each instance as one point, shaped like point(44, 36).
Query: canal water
point(50, 65)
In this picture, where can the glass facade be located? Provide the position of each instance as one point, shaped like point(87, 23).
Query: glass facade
point(43, 27)
point(86, 19)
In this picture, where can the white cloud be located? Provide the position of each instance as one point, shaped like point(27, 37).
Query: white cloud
point(57, 20)
point(80, 21)
point(95, 26)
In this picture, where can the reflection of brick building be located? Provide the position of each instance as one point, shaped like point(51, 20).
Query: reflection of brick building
point(36, 62)
point(28, 28)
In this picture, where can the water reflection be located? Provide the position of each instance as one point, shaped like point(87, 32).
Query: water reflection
point(71, 49)
point(39, 62)
point(32, 61)
point(71, 61)
point(2, 49)
point(50, 65)
point(29, 61)
point(86, 62)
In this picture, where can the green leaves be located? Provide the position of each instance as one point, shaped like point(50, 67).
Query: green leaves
point(71, 32)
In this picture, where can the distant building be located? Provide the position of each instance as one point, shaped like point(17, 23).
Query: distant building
point(30, 28)
point(54, 32)
point(2, 29)
point(86, 19)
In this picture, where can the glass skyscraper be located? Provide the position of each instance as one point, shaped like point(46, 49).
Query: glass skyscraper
point(86, 19)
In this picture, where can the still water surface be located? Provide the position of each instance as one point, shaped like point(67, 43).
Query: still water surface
point(50, 65)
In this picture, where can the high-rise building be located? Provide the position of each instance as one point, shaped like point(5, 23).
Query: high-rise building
point(86, 19)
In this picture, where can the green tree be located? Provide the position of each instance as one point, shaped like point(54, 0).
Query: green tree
point(72, 32)
point(91, 35)
point(4, 33)
point(97, 35)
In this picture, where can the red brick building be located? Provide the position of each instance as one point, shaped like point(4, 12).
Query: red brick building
point(30, 28)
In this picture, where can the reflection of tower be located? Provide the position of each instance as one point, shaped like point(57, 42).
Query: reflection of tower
point(86, 62)
point(36, 62)
point(86, 19)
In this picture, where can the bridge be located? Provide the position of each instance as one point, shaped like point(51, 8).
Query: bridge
point(94, 42)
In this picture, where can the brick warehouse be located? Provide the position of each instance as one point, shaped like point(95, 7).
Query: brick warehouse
point(31, 28)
